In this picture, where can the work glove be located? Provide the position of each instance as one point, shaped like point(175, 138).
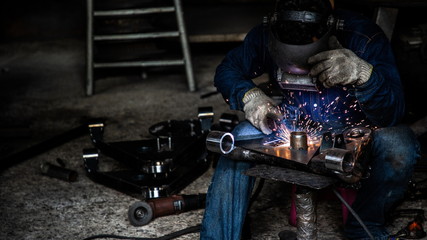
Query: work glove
point(339, 66)
point(260, 110)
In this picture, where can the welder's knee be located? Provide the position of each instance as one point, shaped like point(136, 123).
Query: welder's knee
point(396, 147)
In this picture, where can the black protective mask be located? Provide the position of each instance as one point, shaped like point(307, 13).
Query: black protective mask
point(292, 61)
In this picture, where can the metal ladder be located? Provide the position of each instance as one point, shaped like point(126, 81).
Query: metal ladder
point(180, 32)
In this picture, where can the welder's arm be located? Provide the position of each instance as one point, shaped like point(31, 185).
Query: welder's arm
point(370, 75)
point(233, 80)
point(233, 77)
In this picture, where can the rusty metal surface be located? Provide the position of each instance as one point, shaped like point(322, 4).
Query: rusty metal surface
point(277, 148)
point(306, 216)
point(291, 176)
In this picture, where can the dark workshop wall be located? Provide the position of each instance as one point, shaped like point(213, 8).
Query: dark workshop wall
point(42, 20)
point(50, 19)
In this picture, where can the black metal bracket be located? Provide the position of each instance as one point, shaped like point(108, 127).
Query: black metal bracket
point(155, 167)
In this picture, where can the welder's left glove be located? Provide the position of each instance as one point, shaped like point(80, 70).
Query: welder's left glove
point(339, 66)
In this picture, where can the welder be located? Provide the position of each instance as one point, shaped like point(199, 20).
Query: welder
point(335, 69)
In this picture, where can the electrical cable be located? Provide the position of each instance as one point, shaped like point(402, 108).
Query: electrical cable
point(354, 214)
point(197, 228)
point(173, 235)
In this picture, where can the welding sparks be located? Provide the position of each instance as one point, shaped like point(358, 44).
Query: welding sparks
point(322, 116)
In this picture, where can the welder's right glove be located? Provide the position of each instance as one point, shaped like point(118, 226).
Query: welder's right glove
point(259, 108)
point(339, 66)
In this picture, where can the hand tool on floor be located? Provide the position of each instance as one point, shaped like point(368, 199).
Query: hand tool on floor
point(142, 212)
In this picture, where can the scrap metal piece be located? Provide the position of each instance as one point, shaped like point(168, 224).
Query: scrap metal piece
point(58, 172)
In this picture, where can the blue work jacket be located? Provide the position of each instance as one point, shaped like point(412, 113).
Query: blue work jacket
point(378, 102)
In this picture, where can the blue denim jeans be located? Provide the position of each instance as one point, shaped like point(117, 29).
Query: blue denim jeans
point(229, 193)
point(395, 151)
point(394, 154)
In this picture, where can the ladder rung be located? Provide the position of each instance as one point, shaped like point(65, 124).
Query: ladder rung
point(131, 12)
point(156, 63)
point(134, 36)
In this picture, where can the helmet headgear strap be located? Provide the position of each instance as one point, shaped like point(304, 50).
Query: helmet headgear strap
point(300, 16)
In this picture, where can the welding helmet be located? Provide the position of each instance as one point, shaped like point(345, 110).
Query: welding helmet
point(298, 29)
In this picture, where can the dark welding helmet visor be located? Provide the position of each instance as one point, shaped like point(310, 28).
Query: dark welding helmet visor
point(293, 58)
point(295, 34)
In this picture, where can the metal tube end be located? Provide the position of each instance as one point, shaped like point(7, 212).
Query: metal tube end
point(298, 141)
point(220, 142)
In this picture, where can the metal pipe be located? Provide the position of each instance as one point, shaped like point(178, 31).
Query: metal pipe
point(133, 12)
point(135, 36)
point(185, 46)
point(89, 49)
point(149, 63)
point(340, 160)
point(220, 142)
point(298, 141)
point(224, 144)
point(306, 214)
